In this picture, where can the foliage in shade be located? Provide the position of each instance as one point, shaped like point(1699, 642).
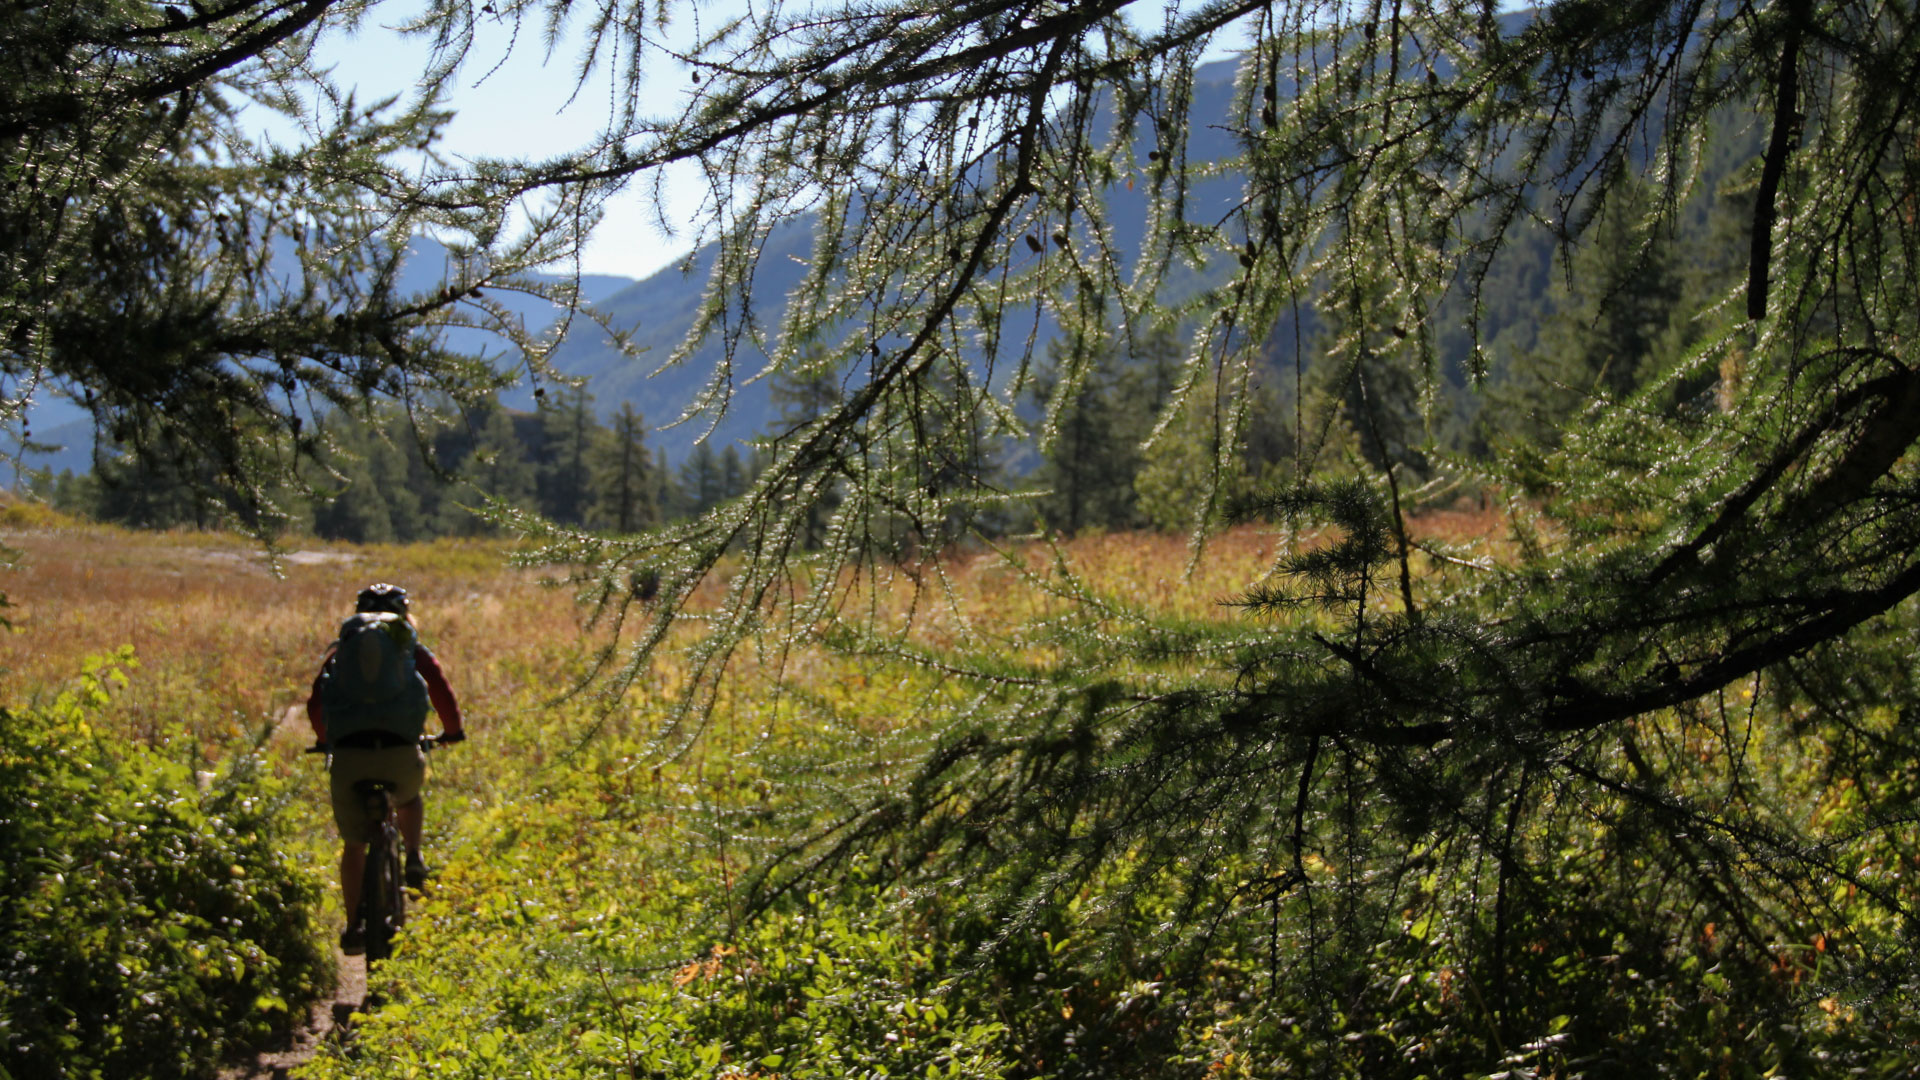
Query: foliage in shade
point(1721, 526)
point(590, 918)
point(1390, 157)
point(591, 907)
point(153, 923)
point(204, 291)
point(1710, 523)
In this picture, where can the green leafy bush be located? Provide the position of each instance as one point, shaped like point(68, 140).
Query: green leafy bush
point(150, 923)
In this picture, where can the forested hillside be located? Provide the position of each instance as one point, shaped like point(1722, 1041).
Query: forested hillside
point(1564, 330)
point(58, 433)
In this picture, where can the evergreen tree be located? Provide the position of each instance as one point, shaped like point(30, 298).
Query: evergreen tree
point(734, 477)
point(1271, 447)
point(1186, 450)
point(72, 494)
point(200, 288)
point(356, 508)
point(1103, 415)
point(702, 480)
point(625, 488)
point(1627, 294)
point(568, 432)
point(368, 495)
point(1370, 377)
point(1314, 773)
point(1310, 772)
point(674, 503)
point(501, 466)
point(804, 397)
point(167, 485)
point(151, 491)
point(1612, 312)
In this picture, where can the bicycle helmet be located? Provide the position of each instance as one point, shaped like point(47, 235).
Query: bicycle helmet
point(382, 597)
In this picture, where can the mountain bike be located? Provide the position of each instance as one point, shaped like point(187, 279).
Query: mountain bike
point(383, 888)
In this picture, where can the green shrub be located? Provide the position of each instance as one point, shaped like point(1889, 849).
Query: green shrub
point(149, 921)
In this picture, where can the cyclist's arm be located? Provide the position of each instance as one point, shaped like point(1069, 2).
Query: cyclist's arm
point(316, 714)
point(438, 691)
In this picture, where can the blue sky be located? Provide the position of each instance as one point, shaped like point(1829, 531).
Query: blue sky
point(512, 101)
point(520, 108)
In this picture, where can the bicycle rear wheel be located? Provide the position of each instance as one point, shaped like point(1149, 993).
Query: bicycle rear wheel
point(385, 894)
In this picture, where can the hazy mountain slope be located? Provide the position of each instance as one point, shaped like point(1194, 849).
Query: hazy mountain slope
point(661, 309)
point(57, 421)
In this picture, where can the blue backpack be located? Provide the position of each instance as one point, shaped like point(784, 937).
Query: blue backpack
point(370, 683)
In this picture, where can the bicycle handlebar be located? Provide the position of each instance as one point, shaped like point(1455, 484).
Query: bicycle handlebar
point(428, 743)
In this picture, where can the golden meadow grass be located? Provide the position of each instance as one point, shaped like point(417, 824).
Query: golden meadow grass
point(228, 648)
point(226, 645)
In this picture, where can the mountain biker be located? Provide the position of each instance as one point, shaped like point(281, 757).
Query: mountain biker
point(375, 721)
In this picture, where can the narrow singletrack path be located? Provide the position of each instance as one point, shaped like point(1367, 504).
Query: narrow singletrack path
point(329, 1020)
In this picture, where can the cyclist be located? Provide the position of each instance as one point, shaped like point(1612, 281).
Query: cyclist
point(369, 706)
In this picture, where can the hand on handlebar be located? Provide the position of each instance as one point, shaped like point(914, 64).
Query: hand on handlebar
point(447, 737)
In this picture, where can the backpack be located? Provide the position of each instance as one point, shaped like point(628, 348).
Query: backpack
point(370, 683)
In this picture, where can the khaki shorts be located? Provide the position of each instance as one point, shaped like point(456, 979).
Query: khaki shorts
point(405, 767)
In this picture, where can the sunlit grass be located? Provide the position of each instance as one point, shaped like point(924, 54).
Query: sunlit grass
point(227, 644)
point(589, 849)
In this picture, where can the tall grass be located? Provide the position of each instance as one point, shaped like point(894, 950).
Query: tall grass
point(586, 892)
point(228, 645)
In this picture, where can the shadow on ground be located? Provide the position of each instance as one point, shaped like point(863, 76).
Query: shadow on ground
point(329, 1022)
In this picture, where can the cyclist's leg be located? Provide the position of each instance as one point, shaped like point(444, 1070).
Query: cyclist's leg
point(350, 818)
point(413, 816)
point(404, 769)
point(409, 809)
point(353, 871)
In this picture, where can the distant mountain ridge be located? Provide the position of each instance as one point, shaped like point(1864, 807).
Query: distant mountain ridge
point(56, 420)
point(661, 309)
point(658, 311)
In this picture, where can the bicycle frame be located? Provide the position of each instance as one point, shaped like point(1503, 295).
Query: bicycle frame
point(383, 892)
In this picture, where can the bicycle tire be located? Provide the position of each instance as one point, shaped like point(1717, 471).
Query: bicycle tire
point(385, 895)
point(396, 883)
point(373, 904)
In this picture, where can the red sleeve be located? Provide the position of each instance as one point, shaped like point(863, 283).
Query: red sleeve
point(316, 716)
point(438, 691)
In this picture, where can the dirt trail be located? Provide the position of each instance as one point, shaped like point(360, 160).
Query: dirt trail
point(328, 1021)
